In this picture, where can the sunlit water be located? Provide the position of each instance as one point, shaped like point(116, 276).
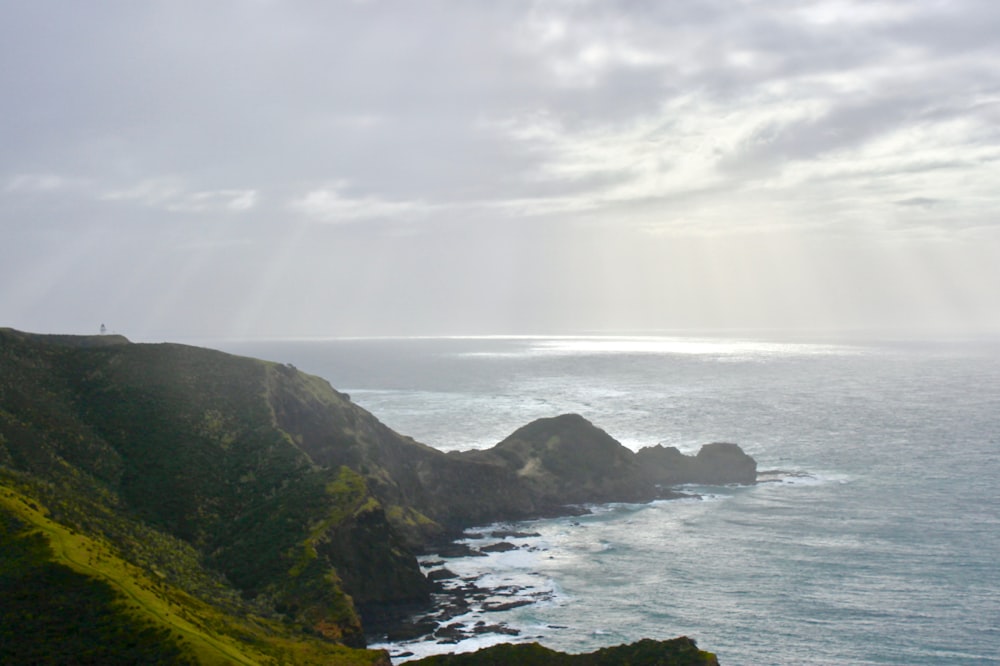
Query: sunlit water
point(876, 542)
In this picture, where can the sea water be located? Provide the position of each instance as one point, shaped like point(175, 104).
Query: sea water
point(873, 537)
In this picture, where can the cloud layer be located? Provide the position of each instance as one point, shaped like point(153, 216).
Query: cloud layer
point(280, 168)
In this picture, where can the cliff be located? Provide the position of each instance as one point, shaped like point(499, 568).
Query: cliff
point(178, 445)
point(235, 488)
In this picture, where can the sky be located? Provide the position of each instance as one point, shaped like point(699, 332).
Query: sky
point(279, 168)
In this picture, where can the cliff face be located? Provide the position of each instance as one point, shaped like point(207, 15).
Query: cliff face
point(186, 440)
point(270, 488)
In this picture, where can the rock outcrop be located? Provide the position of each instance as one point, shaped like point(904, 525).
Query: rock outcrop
point(680, 651)
point(719, 463)
point(553, 464)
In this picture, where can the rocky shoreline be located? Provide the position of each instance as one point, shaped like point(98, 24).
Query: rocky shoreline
point(461, 604)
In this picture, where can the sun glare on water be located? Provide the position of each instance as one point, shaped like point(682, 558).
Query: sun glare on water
point(687, 346)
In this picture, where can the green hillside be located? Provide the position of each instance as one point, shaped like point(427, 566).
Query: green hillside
point(221, 509)
point(167, 459)
point(72, 598)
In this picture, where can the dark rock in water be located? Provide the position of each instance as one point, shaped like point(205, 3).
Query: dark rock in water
point(513, 534)
point(506, 605)
point(410, 631)
point(456, 631)
point(724, 462)
point(453, 608)
point(499, 547)
point(453, 630)
point(719, 463)
point(483, 628)
point(453, 550)
point(781, 475)
point(441, 574)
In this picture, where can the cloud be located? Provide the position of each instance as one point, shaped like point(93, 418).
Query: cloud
point(827, 111)
point(506, 131)
point(919, 202)
point(155, 193)
point(333, 204)
point(233, 201)
point(579, 51)
point(42, 182)
point(170, 195)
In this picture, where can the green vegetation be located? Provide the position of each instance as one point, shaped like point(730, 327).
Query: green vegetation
point(51, 614)
point(72, 599)
point(167, 460)
point(675, 652)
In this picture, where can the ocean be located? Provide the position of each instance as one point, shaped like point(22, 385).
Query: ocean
point(873, 536)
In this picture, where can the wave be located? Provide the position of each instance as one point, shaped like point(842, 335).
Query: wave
point(800, 478)
point(405, 651)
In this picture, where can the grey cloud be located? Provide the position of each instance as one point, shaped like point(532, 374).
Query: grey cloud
point(194, 147)
point(846, 124)
point(170, 196)
point(919, 202)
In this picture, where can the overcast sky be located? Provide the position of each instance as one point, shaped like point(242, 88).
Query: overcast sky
point(281, 168)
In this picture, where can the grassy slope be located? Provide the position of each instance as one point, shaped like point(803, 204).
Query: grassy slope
point(137, 445)
point(189, 628)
